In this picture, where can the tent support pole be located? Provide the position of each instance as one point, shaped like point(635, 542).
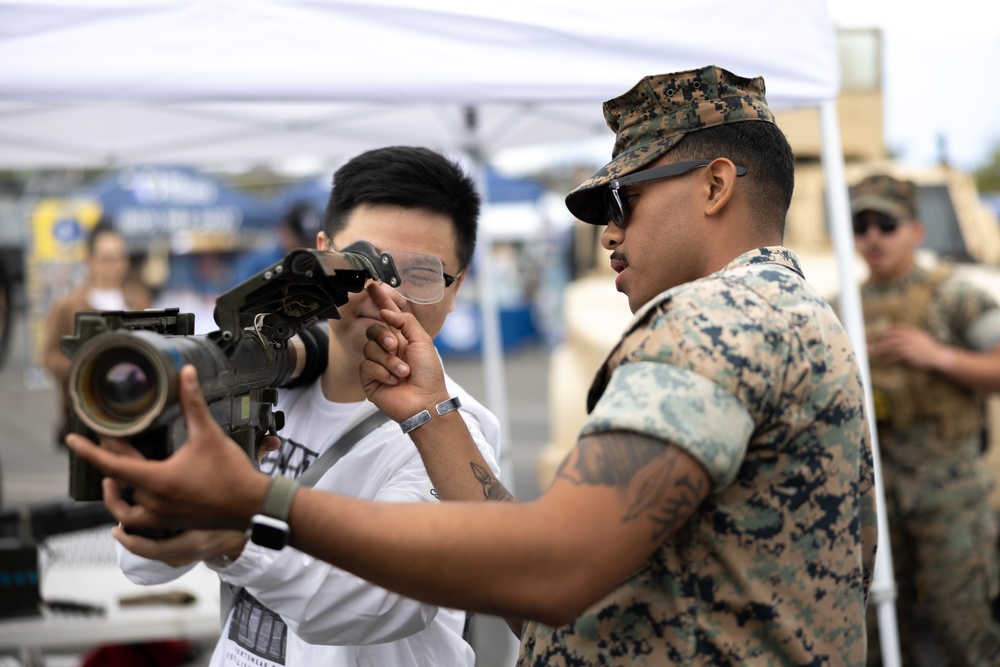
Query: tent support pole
point(496, 397)
point(883, 591)
point(489, 309)
point(493, 367)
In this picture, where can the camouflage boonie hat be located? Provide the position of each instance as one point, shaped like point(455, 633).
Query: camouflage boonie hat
point(654, 116)
point(885, 194)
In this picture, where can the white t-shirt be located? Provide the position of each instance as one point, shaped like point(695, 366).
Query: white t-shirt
point(297, 610)
point(106, 299)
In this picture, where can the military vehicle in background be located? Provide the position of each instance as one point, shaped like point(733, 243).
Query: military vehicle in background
point(960, 230)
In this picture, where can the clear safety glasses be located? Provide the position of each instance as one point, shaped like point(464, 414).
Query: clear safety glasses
point(416, 277)
point(422, 277)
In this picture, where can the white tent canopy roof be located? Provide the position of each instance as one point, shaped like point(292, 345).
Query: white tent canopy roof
point(101, 82)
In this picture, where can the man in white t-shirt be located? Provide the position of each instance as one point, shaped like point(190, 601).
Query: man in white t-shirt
point(289, 608)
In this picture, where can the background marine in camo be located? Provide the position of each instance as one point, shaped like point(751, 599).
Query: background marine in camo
point(934, 344)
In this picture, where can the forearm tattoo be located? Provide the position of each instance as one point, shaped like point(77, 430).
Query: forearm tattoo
point(492, 488)
point(645, 471)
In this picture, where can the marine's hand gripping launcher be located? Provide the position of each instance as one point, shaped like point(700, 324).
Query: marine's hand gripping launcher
point(123, 376)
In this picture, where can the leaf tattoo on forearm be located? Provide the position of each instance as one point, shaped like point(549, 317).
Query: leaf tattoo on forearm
point(492, 488)
point(642, 468)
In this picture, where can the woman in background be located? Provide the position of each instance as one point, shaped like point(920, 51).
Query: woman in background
point(108, 286)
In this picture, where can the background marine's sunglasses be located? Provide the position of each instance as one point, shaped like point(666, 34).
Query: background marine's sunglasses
point(886, 223)
point(617, 208)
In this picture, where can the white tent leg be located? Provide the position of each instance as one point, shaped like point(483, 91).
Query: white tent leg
point(883, 592)
point(492, 341)
point(492, 634)
point(493, 366)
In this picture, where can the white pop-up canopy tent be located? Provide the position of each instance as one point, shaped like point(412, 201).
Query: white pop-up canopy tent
point(109, 82)
point(101, 82)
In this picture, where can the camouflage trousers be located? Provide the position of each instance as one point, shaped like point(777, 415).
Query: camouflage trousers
point(944, 551)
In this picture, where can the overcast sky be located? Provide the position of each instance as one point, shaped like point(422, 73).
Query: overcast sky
point(942, 74)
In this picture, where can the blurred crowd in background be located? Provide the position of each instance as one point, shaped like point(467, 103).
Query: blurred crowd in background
point(192, 235)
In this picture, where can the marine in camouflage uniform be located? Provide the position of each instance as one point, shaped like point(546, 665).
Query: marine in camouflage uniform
point(748, 371)
point(930, 426)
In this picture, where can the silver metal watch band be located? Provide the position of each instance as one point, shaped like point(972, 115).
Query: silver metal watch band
point(444, 407)
point(416, 420)
point(424, 416)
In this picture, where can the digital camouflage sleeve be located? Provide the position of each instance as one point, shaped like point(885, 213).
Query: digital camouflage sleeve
point(750, 372)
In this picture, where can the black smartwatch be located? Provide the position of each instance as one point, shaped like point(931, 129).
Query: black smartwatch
point(269, 528)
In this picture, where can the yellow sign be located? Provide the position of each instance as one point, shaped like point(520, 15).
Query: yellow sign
point(54, 256)
point(60, 227)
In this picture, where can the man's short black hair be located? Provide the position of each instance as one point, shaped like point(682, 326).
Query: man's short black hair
point(410, 177)
point(760, 147)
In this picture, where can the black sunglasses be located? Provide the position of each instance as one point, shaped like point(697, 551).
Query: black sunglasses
point(886, 223)
point(617, 208)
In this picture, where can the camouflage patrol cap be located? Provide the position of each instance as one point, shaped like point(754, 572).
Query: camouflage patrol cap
point(654, 116)
point(885, 194)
